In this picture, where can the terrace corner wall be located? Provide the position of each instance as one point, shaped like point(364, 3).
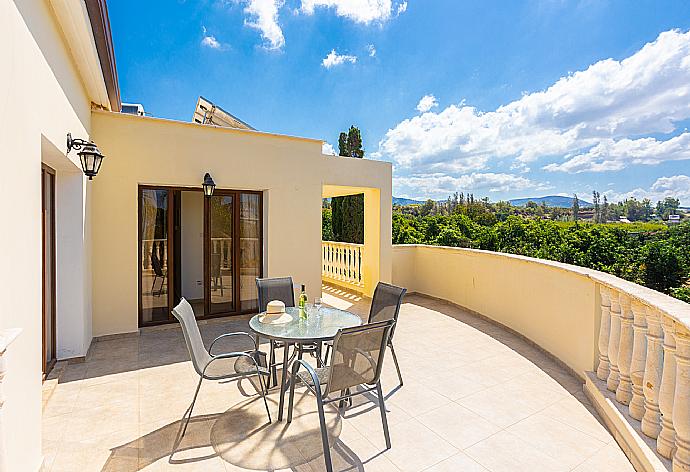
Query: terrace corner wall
point(42, 98)
point(553, 305)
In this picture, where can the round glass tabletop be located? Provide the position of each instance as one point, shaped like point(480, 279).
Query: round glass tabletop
point(320, 326)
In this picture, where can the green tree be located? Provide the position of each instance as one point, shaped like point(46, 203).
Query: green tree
point(662, 267)
point(576, 208)
point(605, 210)
point(427, 208)
point(669, 206)
point(326, 224)
point(350, 143)
point(348, 211)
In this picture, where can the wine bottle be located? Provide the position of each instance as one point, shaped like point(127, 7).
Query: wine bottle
point(303, 298)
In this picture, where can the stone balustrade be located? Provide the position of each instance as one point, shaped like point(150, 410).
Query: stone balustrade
point(644, 356)
point(342, 263)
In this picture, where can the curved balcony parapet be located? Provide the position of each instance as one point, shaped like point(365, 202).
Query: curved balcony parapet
point(635, 340)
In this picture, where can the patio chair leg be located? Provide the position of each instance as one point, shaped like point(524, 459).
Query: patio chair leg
point(189, 411)
point(284, 378)
point(395, 361)
point(344, 401)
point(324, 432)
point(153, 284)
point(317, 354)
point(291, 400)
point(273, 379)
point(264, 391)
point(384, 420)
point(328, 351)
point(160, 290)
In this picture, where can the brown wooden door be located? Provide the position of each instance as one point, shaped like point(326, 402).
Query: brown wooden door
point(48, 269)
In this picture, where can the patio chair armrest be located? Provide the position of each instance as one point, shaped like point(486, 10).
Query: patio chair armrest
point(314, 376)
point(230, 355)
point(227, 335)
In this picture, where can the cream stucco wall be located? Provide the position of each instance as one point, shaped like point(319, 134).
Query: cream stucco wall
point(291, 172)
point(554, 305)
point(41, 99)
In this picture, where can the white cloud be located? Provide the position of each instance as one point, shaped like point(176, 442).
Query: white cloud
point(438, 185)
point(210, 41)
point(610, 155)
point(263, 14)
point(334, 59)
point(327, 148)
point(427, 103)
point(609, 102)
point(677, 186)
point(359, 11)
point(371, 49)
point(264, 17)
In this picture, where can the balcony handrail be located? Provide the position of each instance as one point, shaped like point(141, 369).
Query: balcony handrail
point(341, 243)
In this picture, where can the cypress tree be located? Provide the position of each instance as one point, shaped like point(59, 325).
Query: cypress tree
point(348, 212)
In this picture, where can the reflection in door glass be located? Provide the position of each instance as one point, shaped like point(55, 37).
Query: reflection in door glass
point(154, 255)
point(250, 249)
point(220, 257)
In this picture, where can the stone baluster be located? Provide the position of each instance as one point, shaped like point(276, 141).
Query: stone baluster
point(651, 424)
point(681, 401)
point(614, 343)
point(604, 333)
point(625, 349)
point(666, 442)
point(639, 357)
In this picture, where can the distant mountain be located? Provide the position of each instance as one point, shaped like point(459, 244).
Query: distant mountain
point(405, 201)
point(551, 200)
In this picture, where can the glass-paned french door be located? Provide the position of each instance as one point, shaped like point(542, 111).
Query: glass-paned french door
point(207, 250)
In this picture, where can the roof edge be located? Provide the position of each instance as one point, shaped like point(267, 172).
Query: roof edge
point(100, 25)
point(253, 132)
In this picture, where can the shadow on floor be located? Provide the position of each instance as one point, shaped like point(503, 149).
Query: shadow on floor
point(241, 436)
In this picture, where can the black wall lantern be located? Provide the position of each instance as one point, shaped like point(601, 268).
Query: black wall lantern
point(89, 155)
point(209, 185)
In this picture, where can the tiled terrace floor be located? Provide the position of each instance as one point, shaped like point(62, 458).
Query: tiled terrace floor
point(476, 398)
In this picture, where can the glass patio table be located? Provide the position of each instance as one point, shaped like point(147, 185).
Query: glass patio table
point(319, 326)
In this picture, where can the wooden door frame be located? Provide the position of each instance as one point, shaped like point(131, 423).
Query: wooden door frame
point(169, 255)
point(47, 366)
point(236, 273)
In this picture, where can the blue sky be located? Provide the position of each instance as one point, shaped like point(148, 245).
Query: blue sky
point(521, 100)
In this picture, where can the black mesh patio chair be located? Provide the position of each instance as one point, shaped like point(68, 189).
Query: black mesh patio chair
point(385, 305)
point(157, 273)
point(225, 366)
point(354, 369)
point(279, 288)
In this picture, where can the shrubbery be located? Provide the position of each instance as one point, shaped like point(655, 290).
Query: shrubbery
point(650, 254)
